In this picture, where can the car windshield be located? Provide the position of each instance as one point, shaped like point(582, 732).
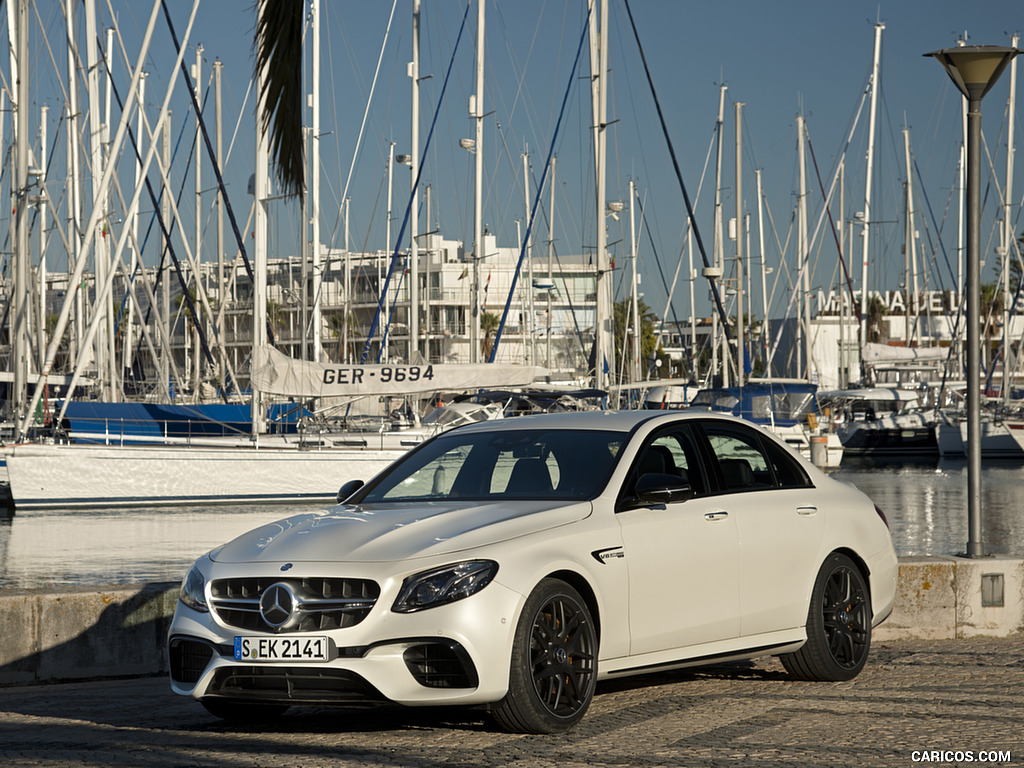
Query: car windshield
point(510, 464)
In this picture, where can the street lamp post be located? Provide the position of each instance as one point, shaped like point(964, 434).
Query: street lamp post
point(974, 69)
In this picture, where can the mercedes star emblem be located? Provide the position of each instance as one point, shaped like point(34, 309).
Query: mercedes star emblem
point(277, 604)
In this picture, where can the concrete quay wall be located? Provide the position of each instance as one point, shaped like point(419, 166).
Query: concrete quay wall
point(120, 631)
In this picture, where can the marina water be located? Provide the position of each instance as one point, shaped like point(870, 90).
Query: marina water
point(926, 504)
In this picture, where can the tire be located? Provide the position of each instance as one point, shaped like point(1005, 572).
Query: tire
point(554, 662)
point(237, 711)
point(838, 625)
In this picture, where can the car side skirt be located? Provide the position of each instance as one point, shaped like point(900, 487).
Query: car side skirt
point(694, 657)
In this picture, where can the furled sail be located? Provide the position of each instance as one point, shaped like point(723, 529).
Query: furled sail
point(276, 373)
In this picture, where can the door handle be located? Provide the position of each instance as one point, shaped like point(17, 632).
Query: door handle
point(713, 516)
point(807, 511)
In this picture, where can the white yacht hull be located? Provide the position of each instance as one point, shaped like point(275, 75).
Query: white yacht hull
point(997, 441)
point(47, 476)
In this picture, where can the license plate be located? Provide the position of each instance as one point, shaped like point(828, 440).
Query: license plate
point(289, 649)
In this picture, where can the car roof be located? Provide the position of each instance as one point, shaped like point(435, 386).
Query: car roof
point(616, 421)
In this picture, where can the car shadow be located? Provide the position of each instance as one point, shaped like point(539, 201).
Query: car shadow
point(736, 670)
point(67, 636)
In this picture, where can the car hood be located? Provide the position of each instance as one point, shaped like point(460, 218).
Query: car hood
point(387, 532)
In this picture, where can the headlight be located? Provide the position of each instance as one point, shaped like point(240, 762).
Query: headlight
point(444, 585)
point(193, 590)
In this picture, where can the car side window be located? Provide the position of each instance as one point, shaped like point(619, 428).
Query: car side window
point(788, 472)
point(742, 463)
point(671, 452)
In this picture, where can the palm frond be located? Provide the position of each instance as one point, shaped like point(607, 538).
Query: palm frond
point(279, 57)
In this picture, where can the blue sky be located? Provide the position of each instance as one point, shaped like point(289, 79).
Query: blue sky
point(778, 58)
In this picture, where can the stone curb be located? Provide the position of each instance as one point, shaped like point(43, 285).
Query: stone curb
point(84, 633)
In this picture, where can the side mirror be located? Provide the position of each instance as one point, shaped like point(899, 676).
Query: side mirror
point(348, 489)
point(656, 488)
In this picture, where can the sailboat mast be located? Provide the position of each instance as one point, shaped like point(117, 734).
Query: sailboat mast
point(74, 207)
point(909, 257)
point(718, 238)
point(259, 292)
point(387, 234)
point(22, 256)
point(43, 214)
point(803, 316)
point(1008, 363)
point(314, 173)
point(604, 347)
point(529, 347)
point(740, 350)
point(476, 110)
point(101, 258)
point(414, 222)
point(197, 77)
point(166, 362)
point(129, 336)
point(634, 358)
point(872, 120)
point(764, 268)
point(551, 253)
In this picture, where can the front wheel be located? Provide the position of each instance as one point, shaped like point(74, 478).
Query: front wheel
point(838, 625)
point(554, 662)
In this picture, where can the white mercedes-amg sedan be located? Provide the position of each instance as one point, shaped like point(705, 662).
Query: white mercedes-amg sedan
point(513, 564)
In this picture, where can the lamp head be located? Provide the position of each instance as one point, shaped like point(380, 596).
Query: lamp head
point(974, 69)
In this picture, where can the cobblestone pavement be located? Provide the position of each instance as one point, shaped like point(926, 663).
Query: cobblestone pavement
point(936, 697)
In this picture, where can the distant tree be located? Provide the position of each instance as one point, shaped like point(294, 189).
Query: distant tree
point(991, 310)
point(622, 320)
point(489, 323)
point(876, 320)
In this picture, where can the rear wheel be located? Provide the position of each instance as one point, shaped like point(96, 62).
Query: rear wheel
point(554, 662)
point(838, 625)
point(242, 711)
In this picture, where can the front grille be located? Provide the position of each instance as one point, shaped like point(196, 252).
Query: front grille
point(298, 685)
point(322, 604)
point(436, 665)
point(188, 659)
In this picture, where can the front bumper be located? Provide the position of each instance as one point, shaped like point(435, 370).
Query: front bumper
point(453, 654)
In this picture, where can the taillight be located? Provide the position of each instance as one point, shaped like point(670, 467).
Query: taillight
point(881, 514)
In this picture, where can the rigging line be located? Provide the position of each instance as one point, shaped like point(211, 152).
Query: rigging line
point(193, 313)
point(540, 189)
point(408, 206)
point(518, 70)
point(686, 234)
point(994, 182)
point(645, 225)
point(568, 293)
point(174, 223)
point(89, 239)
point(679, 177)
point(238, 122)
point(938, 230)
point(8, 298)
point(162, 267)
point(362, 125)
point(212, 155)
point(832, 225)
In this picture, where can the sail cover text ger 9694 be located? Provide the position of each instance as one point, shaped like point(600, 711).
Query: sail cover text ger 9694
point(276, 373)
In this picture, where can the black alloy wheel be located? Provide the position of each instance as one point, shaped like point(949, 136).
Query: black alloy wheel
point(838, 625)
point(554, 662)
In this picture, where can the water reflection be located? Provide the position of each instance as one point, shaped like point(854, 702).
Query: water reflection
point(120, 546)
point(925, 503)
